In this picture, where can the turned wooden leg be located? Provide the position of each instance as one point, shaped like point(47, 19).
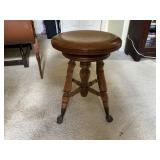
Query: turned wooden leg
point(84, 75)
point(103, 89)
point(36, 50)
point(67, 90)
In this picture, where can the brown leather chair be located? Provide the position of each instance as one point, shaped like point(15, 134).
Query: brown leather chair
point(22, 33)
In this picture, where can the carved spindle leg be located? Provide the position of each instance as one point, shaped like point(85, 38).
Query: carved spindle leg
point(103, 89)
point(84, 74)
point(67, 90)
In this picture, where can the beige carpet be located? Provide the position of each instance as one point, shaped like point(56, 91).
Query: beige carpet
point(32, 105)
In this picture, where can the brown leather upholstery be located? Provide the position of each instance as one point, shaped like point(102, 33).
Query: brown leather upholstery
point(18, 32)
point(86, 42)
point(22, 32)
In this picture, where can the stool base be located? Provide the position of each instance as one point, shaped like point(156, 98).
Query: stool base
point(85, 87)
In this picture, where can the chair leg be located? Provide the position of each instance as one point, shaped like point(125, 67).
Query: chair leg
point(67, 90)
point(25, 55)
point(103, 89)
point(36, 50)
point(39, 65)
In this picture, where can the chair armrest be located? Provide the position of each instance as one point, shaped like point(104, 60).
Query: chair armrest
point(18, 32)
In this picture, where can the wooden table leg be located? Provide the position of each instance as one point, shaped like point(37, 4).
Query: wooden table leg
point(67, 90)
point(103, 89)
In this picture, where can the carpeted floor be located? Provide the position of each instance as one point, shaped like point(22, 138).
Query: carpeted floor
point(32, 105)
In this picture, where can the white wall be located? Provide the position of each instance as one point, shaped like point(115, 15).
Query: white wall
point(124, 33)
point(116, 27)
point(70, 25)
point(39, 26)
point(119, 28)
point(104, 25)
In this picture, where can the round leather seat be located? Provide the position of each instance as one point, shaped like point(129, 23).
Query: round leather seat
point(86, 42)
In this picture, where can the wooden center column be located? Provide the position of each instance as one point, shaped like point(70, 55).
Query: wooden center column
point(84, 75)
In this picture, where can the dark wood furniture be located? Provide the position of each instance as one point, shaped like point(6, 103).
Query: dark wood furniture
point(21, 34)
point(24, 50)
point(143, 35)
point(85, 46)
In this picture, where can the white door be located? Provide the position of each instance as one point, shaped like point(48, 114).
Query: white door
point(70, 25)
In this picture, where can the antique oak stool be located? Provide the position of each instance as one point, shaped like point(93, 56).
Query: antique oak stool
point(85, 46)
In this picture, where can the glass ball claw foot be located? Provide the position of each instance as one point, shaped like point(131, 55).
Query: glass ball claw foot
point(109, 118)
point(59, 119)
